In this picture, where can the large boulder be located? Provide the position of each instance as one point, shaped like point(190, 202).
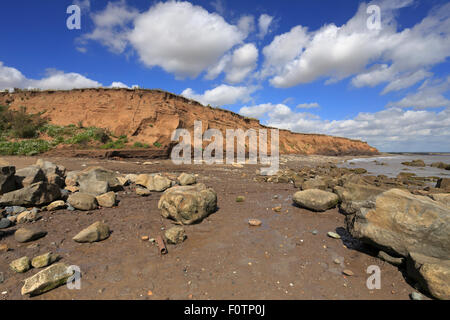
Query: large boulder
point(107, 200)
point(188, 204)
point(29, 175)
point(315, 199)
point(37, 194)
point(7, 179)
point(97, 181)
point(82, 201)
point(47, 279)
point(51, 168)
point(433, 275)
point(354, 195)
point(443, 183)
point(413, 226)
point(402, 223)
point(414, 163)
point(156, 182)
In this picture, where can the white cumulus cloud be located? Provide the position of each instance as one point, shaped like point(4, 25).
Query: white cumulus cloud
point(220, 95)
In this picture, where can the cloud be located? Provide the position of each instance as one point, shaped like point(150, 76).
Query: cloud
point(112, 26)
point(392, 129)
point(264, 22)
point(246, 24)
point(221, 95)
point(429, 95)
point(11, 78)
point(182, 38)
point(308, 105)
point(335, 53)
point(243, 61)
point(118, 84)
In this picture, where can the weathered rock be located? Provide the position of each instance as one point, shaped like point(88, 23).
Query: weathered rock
point(56, 205)
point(93, 187)
point(388, 258)
point(440, 165)
point(443, 198)
point(28, 216)
point(51, 168)
point(315, 199)
point(72, 189)
point(97, 181)
point(142, 192)
point(4, 223)
point(354, 195)
point(47, 279)
point(26, 235)
point(37, 194)
point(132, 177)
point(333, 235)
point(82, 201)
point(107, 200)
point(29, 175)
point(97, 231)
point(254, 222)
point(175, 235)
point(316, 183)
point(7, 179)
point(43, 260)
point(401, 223)
point(186, 179)
point(443, 183)
point(156, 183)
point(414, 163)
point(123, 181)
point(188, 204)
point(432, 274)
point(20, 265)
point(72, 178)
point(56, 179)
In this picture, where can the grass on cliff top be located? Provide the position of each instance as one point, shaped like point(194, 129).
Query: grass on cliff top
point(23, 133)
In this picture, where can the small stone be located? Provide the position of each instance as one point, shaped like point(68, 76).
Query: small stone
point(175, 235)
point(315, 232)
point(254, 222)
point(28, 216)
point(26, 235)
point(4, 223)
point(186, 179)
point(348, 272)
point(82, 201)
point(277, 209)
point(95, 232)
point(107, 200)
point(144, 238)
point(56, 205)
point(4, 247)
point(333, 235)
point(416, 296)
point(240, 199)
point(21, 265)
point(142, 192)
point(43, 260)
point(337, 261)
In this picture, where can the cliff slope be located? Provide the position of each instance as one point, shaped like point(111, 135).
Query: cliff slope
point(150, 116)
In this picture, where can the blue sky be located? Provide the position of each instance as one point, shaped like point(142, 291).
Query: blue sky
point(308, 66)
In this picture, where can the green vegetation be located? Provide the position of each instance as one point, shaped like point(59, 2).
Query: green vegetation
point(157, 144)
point(22, 133)
point(140, 145)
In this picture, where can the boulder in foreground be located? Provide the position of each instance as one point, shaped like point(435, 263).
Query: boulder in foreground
point(47, 279)
point(188, 204)
point(37, 194)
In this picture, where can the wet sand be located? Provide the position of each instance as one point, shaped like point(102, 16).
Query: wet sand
point(222, 258)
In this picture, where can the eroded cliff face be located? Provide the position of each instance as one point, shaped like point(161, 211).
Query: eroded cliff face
point(151, 116)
